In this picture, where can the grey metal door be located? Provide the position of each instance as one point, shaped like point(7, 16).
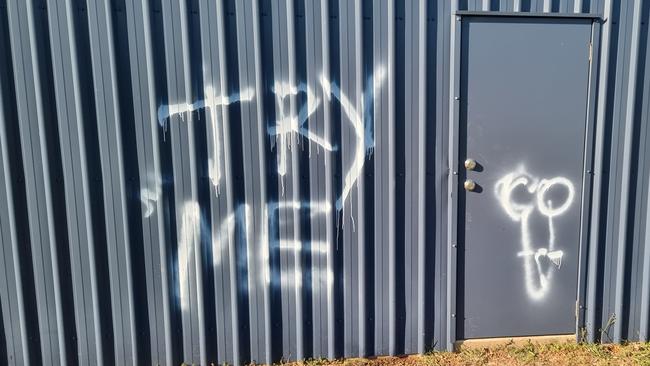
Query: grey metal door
point(524, 91)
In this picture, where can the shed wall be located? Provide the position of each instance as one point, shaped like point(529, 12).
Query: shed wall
point(232, 181)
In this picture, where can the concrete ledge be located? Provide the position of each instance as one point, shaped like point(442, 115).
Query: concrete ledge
point(496, 342)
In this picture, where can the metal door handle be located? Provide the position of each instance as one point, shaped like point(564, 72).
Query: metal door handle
point(470, 164)
point(469, 185)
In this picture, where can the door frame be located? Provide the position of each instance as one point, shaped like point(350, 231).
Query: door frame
point(593, 145)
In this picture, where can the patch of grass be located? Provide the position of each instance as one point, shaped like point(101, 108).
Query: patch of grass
point(509, 354)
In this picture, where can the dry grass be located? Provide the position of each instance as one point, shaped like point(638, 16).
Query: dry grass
point(527, 354)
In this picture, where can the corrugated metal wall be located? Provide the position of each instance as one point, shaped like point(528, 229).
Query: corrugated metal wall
point(230, 181)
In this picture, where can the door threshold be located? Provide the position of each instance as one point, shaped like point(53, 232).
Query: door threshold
point(503, 341)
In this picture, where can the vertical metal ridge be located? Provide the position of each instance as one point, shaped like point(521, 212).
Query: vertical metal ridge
point(253, 153)
point(186, 196)
point(406, 173)
point(360, 183)
point(213, 112)
point(243, 67)
point(317, 173)
point(180, 141)
point(22, 100)
point(381, 188)
point(411, 122)
point(81, 217)
point(577, 6)
point(40, 190)
point(198, 251)
point(85, 189)
point(264, 243)
point(346, 212)
point(294, 175)
point(116, 219)
point(452, 182)
point(235, 352)
point(11, 350)
point(392, 291)
point(329, 196)
point(614, 143)
point(417, 134)
point(644, 318)
point(439, 175)
point(422, 128)
point(154, 160)
point(64, 117)
point(599, 175)
point(157, 176)
point(281, 63)
point(626, 171)
point(24, 353)
point(155, 242)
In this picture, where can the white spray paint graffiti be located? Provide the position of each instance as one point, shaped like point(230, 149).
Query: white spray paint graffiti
point(211, 103)
point(358, 120)
point(222, 238)
point(287, 130)
point(149, 198)
point(292, 277)
point(288, 127)
point(150, 194)
point(166, 111)
point(225, 235)
point(537, 279)
point(188, 239)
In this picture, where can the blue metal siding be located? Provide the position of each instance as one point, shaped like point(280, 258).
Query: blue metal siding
point(154, 211)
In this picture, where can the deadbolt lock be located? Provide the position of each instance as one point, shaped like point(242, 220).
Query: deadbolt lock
point(470, 164)
point(469, 185)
